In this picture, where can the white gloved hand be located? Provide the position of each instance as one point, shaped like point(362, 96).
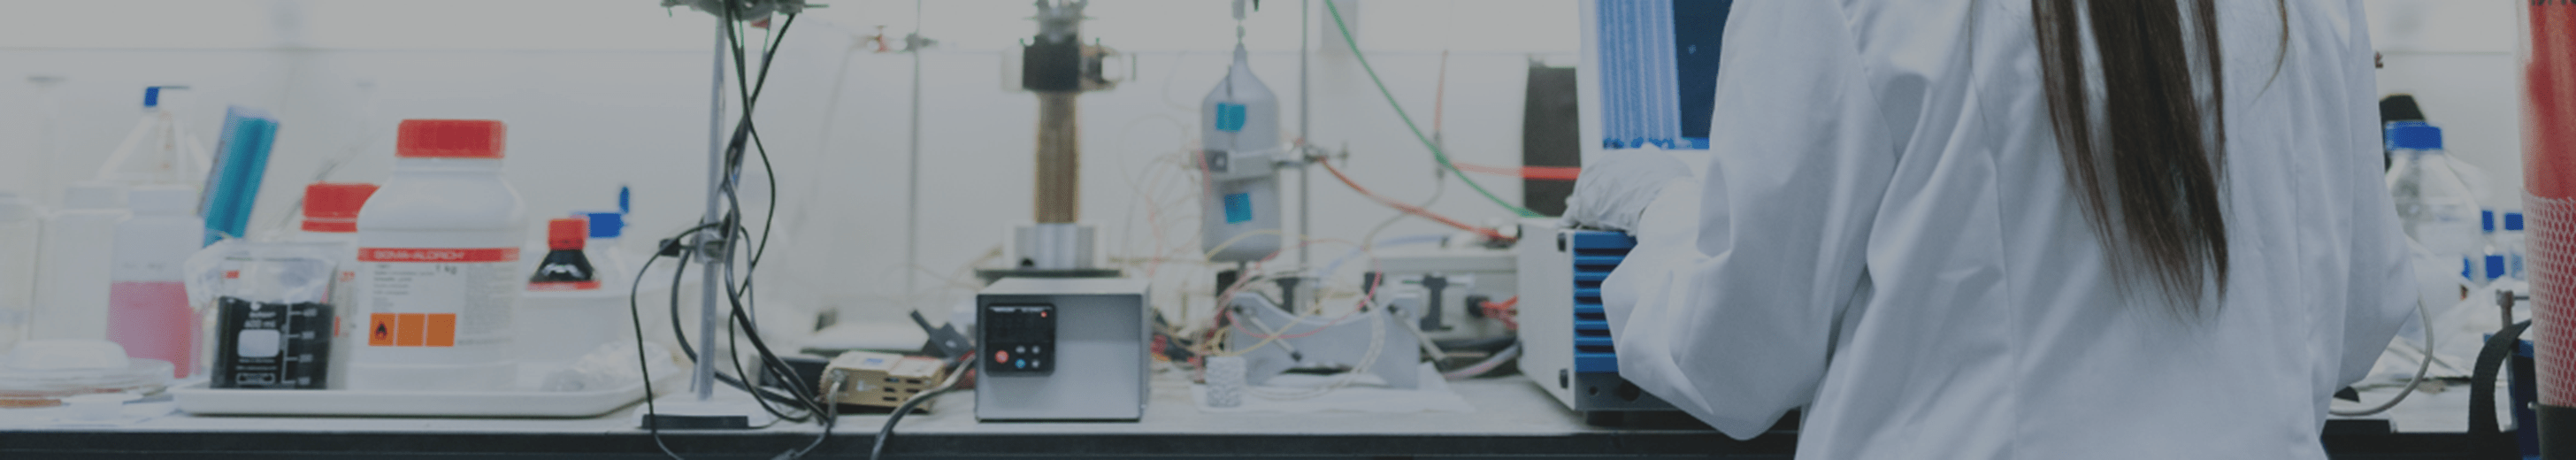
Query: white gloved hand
point(1612, 193)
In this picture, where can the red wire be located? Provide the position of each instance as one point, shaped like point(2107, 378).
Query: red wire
point(1411, 209)
point(1565, 173)
point(1503, 311)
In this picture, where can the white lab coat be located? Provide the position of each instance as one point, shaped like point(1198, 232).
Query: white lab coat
point(1885, 238)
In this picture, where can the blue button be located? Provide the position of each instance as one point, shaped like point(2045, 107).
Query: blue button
point(1023, 364)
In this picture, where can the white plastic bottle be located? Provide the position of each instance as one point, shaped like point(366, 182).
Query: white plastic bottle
point(71, 289)
point(21, 225)
point(2489, 264)
point(331, 216)
point(147, 301)
point(569, 309)
point(1239, 134)
point(2438, 209)
point(438, 250)
point(160, 149)
point(607, 250)
point(2510, 240)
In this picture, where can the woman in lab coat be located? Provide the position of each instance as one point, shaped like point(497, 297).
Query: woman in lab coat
point(1939, 228)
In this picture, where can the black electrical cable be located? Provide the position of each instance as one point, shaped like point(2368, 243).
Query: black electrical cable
point(643, 365)
point(741, 296)
point(681, 337)
point(877, 451)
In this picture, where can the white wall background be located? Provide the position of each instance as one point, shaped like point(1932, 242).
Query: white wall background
point(601, 93)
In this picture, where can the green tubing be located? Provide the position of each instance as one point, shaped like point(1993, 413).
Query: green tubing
point(1436, 153)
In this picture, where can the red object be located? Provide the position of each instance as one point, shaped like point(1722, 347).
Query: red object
point(1001, 356)
point(1556, 173)
point(450, 139)
point(2549, 179)
point(559, 286)
point(566, 234)
point(333, 206)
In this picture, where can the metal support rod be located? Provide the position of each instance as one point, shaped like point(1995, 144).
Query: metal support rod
point(1305, 134)
point(912, 196)
point(702, 379)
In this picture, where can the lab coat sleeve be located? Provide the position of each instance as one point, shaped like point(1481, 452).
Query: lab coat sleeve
point(1732, 320)
point(2383, 285)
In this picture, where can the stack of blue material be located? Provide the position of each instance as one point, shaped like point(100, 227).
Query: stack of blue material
point(241, 161)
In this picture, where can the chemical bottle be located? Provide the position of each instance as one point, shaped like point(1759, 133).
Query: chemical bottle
point(607, 250)
point(438, 251)
point(147, 299)
point(1239, 131)
point(71, 283)
point(2511, 241)
point(2436, 207)
point(565, 267)
point(2489, 263)
point(160, 149)
point(21, 224)
point(331, 216)
point(566, 313)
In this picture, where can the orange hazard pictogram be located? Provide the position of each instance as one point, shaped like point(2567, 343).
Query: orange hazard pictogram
point(411, 330)
point(380, 330)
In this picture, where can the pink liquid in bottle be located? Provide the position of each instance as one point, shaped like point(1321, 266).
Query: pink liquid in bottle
point(151, 320)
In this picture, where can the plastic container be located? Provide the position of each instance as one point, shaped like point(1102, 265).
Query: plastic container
point(438, 252)
point(21, 226)
point(44, 373)
point(566, 312)
point(147, 296)
point(1239, 130)
point(2438, 209)
point(607, 250)
point(2512, 242)
point(331, 217)
point(71, 286)
point(160, 149)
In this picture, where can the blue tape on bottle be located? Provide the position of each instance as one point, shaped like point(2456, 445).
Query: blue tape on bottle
point(1238, 208)
point(1229, 117)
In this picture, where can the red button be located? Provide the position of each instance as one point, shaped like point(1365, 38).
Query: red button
point(1001, 356)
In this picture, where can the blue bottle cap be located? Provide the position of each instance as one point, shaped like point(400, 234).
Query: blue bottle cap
point(2414, 135)
point(605, 224)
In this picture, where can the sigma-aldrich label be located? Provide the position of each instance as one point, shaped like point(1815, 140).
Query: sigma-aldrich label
point(453, 297)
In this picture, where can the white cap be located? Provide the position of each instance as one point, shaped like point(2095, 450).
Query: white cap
point(94, 195)
point(14, 208)
point(162, 199)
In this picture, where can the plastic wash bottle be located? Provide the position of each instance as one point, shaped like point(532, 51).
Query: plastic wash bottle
point(147, 303)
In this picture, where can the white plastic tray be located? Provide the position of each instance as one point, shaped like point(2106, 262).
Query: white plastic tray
point(527, 402)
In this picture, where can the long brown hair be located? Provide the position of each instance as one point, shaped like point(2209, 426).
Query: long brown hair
point(2148, 172)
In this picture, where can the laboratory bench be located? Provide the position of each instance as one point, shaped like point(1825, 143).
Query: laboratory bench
point(1512, 419)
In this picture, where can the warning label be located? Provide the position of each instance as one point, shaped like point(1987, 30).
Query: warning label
point(439, 297)
point(411, 330)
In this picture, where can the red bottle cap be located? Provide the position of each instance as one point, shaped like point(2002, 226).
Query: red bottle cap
point(333, 206)
point(566, 234)
point(449, 139)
